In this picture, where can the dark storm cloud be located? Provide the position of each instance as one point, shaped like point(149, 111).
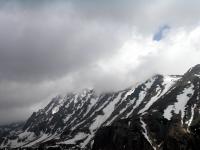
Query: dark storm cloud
point(48, 42)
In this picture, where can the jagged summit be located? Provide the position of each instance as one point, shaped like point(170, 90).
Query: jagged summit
point(194, 70)
point(152, 109)
point(192, 75)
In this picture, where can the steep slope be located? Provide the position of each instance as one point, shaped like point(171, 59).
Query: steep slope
point(170, 121)
point(147, 111)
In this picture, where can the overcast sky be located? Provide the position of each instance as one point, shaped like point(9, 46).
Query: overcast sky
point(53, 47)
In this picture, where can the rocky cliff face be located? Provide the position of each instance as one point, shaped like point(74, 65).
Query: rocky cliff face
point(160, 113)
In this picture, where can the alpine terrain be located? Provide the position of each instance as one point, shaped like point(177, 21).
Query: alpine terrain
point(161, 113)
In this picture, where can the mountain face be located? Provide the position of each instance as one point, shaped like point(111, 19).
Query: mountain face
point(160, 113)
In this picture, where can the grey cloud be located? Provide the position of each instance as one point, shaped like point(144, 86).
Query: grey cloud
point(49, 43)
point(145, 15)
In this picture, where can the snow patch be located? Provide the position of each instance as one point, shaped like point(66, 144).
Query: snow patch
point(179, 106)
point(167, 112)
point(87, 140)
point(168, 82)
point(55, 109)
point(197, 75)
point(77, 137)
point(192, 116)
point(50, 107)
point(100, 119)
point(125, 108)
point(41, 138)
point(142, 95)
point(145, 133)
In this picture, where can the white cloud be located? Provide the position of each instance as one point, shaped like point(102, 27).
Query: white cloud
point(140, 57)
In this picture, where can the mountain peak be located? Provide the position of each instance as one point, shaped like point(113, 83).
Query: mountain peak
point(195, 69)
point(146, 112)
point(192, 73)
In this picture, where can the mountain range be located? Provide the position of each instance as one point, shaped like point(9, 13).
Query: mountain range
point(160, 113)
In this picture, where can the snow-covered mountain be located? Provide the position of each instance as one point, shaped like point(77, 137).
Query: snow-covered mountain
point(148, 115)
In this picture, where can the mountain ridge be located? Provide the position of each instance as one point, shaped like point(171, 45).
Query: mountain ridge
point(75, 121)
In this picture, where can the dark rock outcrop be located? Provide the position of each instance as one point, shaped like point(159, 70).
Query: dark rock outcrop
point(122, 135)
